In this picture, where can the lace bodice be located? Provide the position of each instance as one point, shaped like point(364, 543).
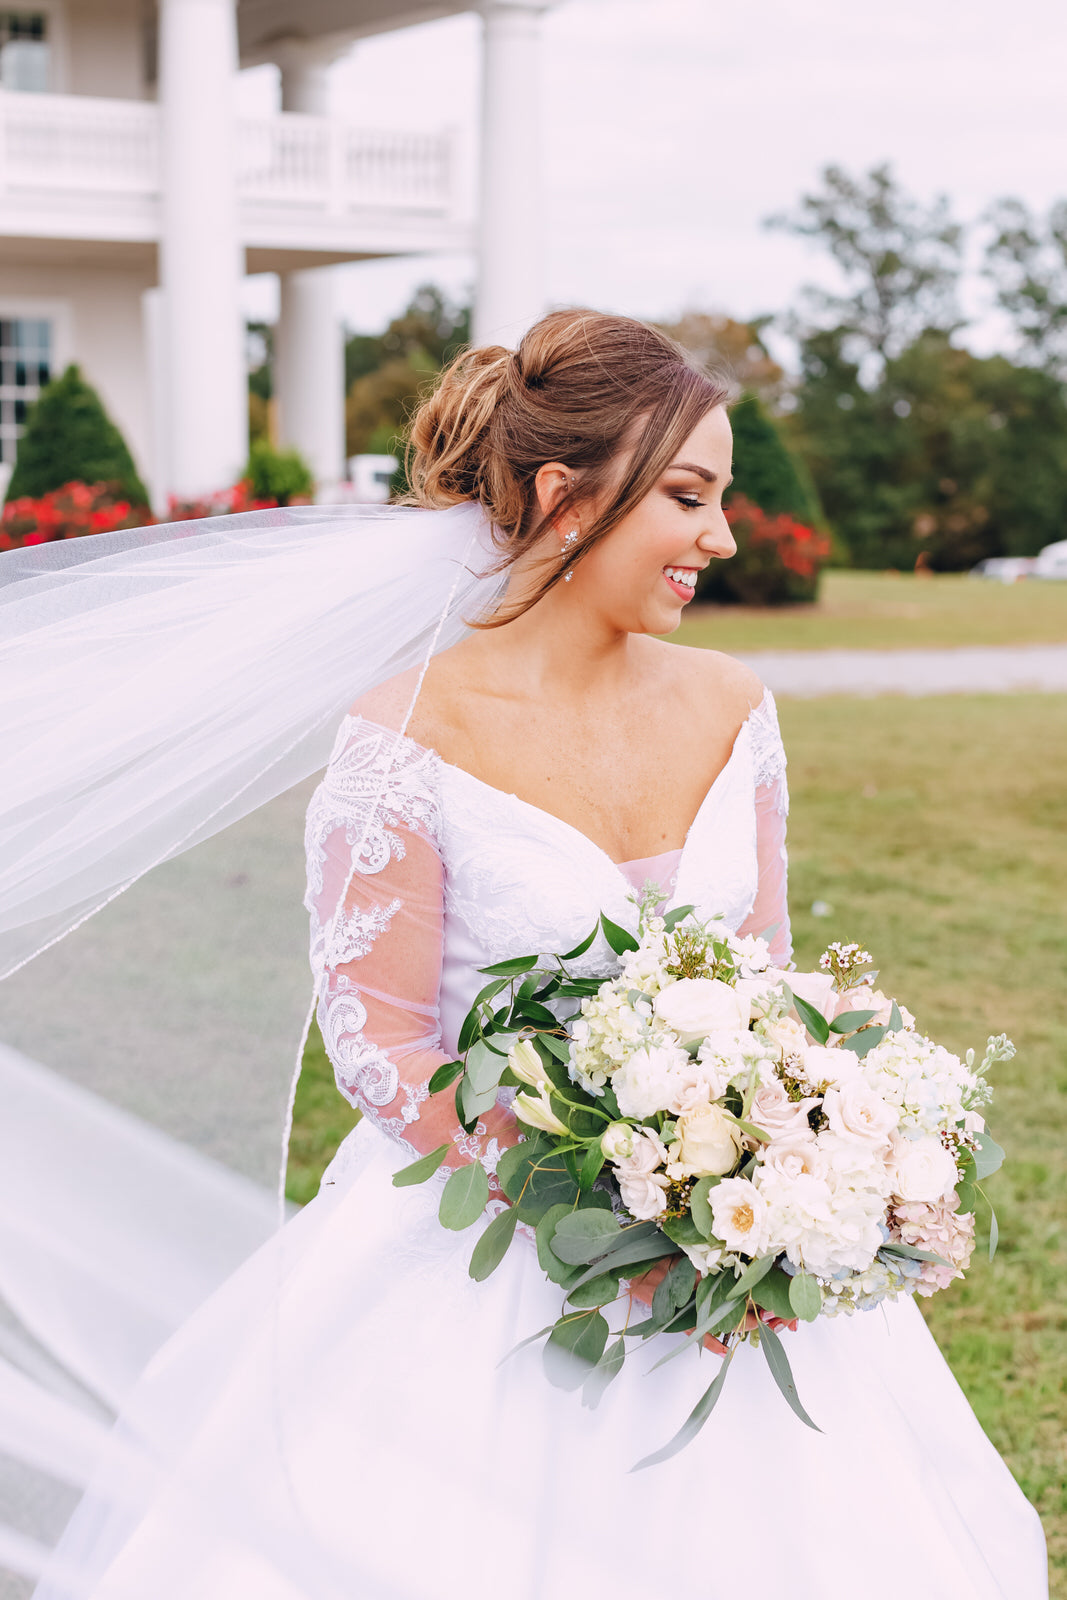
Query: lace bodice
point(420, 874)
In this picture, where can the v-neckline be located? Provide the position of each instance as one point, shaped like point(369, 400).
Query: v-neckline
point(569, 827)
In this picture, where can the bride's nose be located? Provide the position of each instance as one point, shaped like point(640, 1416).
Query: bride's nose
point(716, 539)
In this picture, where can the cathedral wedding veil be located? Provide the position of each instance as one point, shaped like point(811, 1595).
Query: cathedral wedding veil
point(166, 693)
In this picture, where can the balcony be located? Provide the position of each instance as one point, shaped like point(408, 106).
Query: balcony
point(73, 168)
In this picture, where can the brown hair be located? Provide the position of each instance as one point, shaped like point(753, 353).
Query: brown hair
point(590, 390)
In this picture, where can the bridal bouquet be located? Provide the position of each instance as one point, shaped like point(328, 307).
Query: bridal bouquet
point(779, 1145)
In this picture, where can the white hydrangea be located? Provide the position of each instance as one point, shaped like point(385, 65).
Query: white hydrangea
point(609, 1029)
point(928, 1084)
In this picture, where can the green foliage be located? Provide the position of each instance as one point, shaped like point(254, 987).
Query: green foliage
point(765, 469)
point(69, 437)
point(1027, 261)
point(281, 475)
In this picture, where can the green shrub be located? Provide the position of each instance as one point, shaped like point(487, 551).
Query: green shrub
point(69, 437)
point(765, 470)
point(281, 476)
point(778, 559)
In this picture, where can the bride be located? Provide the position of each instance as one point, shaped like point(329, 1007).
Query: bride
point(337, 1421)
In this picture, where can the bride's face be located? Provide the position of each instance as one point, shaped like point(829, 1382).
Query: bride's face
point(641, 576)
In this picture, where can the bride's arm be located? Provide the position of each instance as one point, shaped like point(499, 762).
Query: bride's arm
point(769, 916)
point(372, 851)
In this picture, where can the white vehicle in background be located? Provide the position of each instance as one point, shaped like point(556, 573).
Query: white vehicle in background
point(1004, 569)
point(1051, 562)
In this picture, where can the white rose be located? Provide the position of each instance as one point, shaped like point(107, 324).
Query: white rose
point(739, 1215)
point(695, 1007)
point(709, 1142)
point(824, 1065)
point(864, 998)
point(644, 1083)
point(526, 1064)
point(647, 1152)
point(617, 1141)
point(644, 1197)
point(758, 992)
point(856, 1112)
point(793, 1154)
point(788, 1034)
point(921, 1169)
point(774, 1112)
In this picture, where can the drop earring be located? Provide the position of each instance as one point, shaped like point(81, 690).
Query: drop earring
point(568, 543)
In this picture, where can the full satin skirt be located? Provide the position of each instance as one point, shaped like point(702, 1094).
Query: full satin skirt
point(338, 1423)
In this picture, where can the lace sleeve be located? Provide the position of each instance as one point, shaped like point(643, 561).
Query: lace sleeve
point(769, 916)
point(376, 957)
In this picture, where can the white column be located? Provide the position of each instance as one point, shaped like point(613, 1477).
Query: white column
point(511, 277)
point(201, 258)
point(309, 362)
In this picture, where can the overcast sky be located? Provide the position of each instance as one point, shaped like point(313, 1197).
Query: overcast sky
point(673, 127)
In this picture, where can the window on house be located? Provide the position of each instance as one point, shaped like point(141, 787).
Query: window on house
point(25, 368)
point(24, 51)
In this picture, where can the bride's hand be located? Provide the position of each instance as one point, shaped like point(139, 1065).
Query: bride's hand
point(644, 1288)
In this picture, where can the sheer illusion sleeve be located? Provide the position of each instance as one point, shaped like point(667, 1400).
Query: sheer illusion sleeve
point(769, 916)
point(375, 896)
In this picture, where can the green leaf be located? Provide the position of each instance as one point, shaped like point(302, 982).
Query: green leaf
point(813, 1020)
point(492, 1247)
point(484, 1066)
point(592, 1166)
point(584, 1236)
point(693, 1423)
point(772, 1294)
point(530, 1014)
point(896, 1247)
point(551, 1265)
point(419, 1171)
point(550, 1184)
point(514, 1165)
point(782, 1373)
point(683, 1281)
point(994, 1233)
point(510, 969)
point(700, 1208)
point(679, 914)
point(633, 1250)
point(560, 1048)
point(683, 1230)
point(468, 1031)
point(575, 1345)
point(849, 1021)
point(597, 1292)
point(753, 1132)
point(861, 1043)
point(752, 1274)
point(805, 1296)
point(618, 938)
point(445, 1076)
point(580, 949)
point(987, 1157)
point(465, 1196)
point(530, 1339)
point(896, 1021)
point(474, 1103)
point(968, 1196)
point(607, 1368)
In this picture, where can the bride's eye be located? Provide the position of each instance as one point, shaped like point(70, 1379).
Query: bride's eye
point(690, 501)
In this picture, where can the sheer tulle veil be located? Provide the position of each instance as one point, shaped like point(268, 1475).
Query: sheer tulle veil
point(167, 692)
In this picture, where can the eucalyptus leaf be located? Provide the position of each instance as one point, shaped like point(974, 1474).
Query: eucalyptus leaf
point(631, 1252)
point(805, 1296)
point(782, 1373)
point(693, 1423)
point(514, 1165)
point(551, 1265)
point(464, 1197)
point(607, 1368)
point(994, 1233)
point(584, 1236)
point(484, 1066)
point(530, 1339)
point(896, 1247)
point(700, 1208)
point(861, 1043)
point(592, 1165)
point(682, 1279)
point(683, 1230)
point(968, 1196)
point(575, 1345)
point(896, 1021)
point(812, 1019)
point(772, 1294)
point(474, 1103)
point(492, 1247)
point(420, 1170)
point(596, 1292)
point(849, 1021)
point(752, 1274)
point(987, 1157)
point(618, 938)
point(445, 1076)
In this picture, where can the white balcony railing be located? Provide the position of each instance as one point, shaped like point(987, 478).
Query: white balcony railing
point(53, 146)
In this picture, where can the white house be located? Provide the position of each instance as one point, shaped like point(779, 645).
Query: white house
point(133, 200)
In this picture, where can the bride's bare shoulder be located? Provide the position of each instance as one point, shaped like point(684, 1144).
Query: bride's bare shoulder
point(388, 704)
point(712, 677)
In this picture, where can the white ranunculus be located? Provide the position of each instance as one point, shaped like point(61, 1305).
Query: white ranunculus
point(694, 1007)
point(774, 1112)
point(921, 1169)
point(536, 1112)
point(526, 1064)
point(793, 1154)
point(644, 1197)
point(708, 1142)
point(644, 1083)
point(855, 1111)
point(739, 1215)
point(617, 1141)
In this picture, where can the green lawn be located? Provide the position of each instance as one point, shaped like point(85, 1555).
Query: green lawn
point(890, 611)
point(937, 831)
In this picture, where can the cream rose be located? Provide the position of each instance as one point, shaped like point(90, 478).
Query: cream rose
point(695, 1007)
point(788, 1034)
point(774, 1112)
point(921, 1169)
point(793, 1154)
point(825, 1065)
point(647, 1152)
point(644, 1197)
point(856, 1112)
point(708, 1144)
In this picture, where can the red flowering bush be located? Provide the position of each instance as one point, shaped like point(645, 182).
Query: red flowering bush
point(223, 503)
point(69, 512)
point(778, 560)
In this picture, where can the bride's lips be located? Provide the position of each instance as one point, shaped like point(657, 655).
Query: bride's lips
point(683, 591)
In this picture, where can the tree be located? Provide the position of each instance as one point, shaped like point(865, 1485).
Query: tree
point(69, 437)
point(429, 332)
point(765, 470)
point(900, 262)
point(1026, 258)
point(722, 344)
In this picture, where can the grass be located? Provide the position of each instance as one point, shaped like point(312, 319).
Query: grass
point(935, 829)
point(890, 611)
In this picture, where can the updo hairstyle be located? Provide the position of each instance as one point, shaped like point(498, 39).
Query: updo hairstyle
point(608, 397)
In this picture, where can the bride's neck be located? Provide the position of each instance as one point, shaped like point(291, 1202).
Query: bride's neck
point(559, 650)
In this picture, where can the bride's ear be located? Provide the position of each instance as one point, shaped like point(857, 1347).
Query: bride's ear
point(552, 485)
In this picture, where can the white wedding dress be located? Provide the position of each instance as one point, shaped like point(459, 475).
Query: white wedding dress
point(336, 1423)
